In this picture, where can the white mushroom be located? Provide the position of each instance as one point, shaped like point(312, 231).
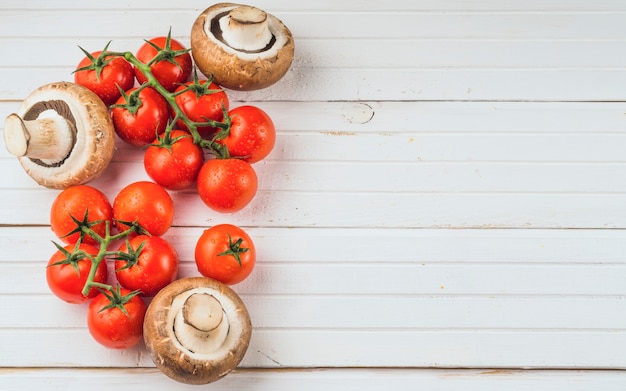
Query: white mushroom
point(62, 135)
point(243, 47)
point(197, 330)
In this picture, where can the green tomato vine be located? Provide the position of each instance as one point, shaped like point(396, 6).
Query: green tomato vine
point(133, 102)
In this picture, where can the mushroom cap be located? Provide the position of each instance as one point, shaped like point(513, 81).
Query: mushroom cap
point(175, 360)
point(233, 68)
point(94, 138)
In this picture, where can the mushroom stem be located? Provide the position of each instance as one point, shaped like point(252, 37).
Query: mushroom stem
point(202, 311)
point(201, 326)
point(246, 29)
point(49, 137)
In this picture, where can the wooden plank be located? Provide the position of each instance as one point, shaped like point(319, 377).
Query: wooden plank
point(322, 379)
point(402, 24)
point(369, 84)
point(391, 279)
point(418, 178)
point(296, 246)
point(309, 348)
point(450, 119)
point(348, 5)
point(375, 53)
point(372, 209)
point(363, 311)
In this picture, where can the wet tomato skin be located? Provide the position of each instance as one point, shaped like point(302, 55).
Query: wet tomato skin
point(75, 201)
point(147, 203)
point(227, 185)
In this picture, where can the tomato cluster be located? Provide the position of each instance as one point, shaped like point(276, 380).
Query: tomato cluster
point(127, 235)
point(91, 229)
point(114, 254)
point(177, 118)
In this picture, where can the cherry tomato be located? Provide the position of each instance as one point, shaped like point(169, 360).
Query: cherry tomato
point(147, 203)
point(103, 75)
point(77, 201)
point(150, 117)
point(252, 134)
point(225, 253)
point(169, 74)
point(202, 105)
point(227, 185)
point(152, 264)
point(174, 166)
point(112, 327)
point(67, 274)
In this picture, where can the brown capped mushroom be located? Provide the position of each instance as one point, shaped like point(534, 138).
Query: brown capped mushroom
point(62, 135)
point(243, 47)
point(197, 330)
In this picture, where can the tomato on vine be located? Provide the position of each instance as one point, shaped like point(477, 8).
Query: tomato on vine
point(227, 185)
point(68, 270)
point(139, 115)
point(146, 263)
point(104, 75)
point(225, 253)
point(146, 203)
point(173, 160)
point(80, 203)
point(115, 318)
point(201, 101)
point(251, 136)
point(174, 66)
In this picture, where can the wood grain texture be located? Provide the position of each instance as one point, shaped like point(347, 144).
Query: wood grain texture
point(447, 191)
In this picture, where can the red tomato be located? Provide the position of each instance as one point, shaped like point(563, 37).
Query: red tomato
point(112, 327)
point(77, 201)
point(201, 104)
point(152, 264)
point(225, 253)
point(252, 134)
point(140, 122)
point(169, 74)
point(174, 166)
point(103, 75)
point(227, 185)
point(67, 274)
point(147, 203)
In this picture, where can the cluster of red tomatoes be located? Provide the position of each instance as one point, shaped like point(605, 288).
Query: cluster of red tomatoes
point(128, 234)
point(176, 121)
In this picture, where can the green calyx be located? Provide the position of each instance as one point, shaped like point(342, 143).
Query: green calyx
point(131, 256)
point(97, 63)
point(71, 258)
point(117, 299)
point(234, 249)
point(166, 53)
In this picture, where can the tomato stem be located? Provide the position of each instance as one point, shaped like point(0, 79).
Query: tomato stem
point(219, 150)
point(103, 252)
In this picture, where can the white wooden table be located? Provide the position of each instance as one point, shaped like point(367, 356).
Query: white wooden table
point(444, 209)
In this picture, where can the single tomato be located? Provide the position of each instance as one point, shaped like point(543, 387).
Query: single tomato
point(115, 319)
point(252, 134)
point(105, 75)
point(227, 185)
point(174, 162)
point(201, 102)
point(225, 253)
point(169, 73)
point(151, 264)
point(138, 119)
point(68, 270)
point(146, 203)
point(85, 204)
